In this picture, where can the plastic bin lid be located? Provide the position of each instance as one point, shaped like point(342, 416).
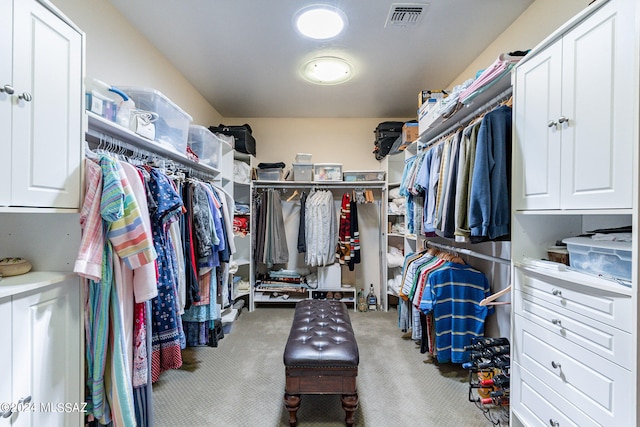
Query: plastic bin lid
point(588, 241)
point(133, 89)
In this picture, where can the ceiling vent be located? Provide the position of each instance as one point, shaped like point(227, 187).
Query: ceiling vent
point(405, 14)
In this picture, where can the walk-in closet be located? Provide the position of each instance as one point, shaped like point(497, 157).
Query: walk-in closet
point(213, 215)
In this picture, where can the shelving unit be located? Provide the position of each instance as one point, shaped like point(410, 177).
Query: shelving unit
point(575, 336)
point(242, 257)
point(267, 296)
point(258, 297)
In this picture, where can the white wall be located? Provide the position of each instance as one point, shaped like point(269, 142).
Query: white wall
point(329, 140)
point(541, 19)
point(118, 54)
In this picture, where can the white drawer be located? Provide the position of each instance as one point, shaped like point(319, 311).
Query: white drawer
point(601, 305)
point(534, 404)
point(602, 339)
point(592, 384)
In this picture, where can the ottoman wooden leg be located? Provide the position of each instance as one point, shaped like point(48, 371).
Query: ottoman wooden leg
point(350, 405)
point(292, 403)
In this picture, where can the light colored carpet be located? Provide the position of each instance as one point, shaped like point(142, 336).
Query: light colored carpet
point(240, 383)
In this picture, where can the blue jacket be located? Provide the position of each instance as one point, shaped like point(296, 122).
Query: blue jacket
point(489, 210)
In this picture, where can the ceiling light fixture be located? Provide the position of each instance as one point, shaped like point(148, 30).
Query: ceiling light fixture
point(320, 21)
point(327, 70)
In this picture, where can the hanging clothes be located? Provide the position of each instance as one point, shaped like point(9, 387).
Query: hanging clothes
point(167, 335)
point(321, 229)
point(343, 249)
point(112, 224)
point(355, 237)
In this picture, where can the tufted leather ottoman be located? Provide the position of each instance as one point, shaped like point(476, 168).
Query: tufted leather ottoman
point(321, 356)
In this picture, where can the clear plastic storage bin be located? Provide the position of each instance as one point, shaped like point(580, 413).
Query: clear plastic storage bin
point(206, 145)
point(601, 257)
point(351, 176)
point(303, 158)
point(270, 174)
point(302, 171)
point(172, 125)
point(327, 172)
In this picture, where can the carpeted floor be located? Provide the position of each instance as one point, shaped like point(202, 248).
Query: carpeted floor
point(241, 382)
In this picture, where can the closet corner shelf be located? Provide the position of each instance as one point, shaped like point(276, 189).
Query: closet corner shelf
point(98, 125)
point(14, 285)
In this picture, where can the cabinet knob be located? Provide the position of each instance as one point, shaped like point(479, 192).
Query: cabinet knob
point(553, 423)
point(563, 119)
point(26, 96)
point(552, 123)
point(6, 414)
point(557, 292)
point(556, 322)
point(8, 89)
point(555, 365)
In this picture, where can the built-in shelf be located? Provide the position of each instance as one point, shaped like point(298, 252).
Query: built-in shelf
point(33, 280)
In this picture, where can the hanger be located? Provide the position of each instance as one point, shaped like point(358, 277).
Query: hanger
point(508, 102)
point(290, 198)
point(491, 298)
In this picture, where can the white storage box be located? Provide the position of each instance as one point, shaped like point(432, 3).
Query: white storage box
point(172, 125)
point(206, 145)
point(303, 158)
point(270, 174)
point(302, 171)
point(327, 171)
point(351, 176)
point(601, 257)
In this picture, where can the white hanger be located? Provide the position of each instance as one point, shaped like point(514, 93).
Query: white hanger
point(491, 298)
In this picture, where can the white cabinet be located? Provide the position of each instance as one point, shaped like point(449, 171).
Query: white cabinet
point(41, 131)
point(41, 356)
point(575, 337)
point(574, 116)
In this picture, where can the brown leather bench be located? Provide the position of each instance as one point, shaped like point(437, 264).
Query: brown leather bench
point(321, 356)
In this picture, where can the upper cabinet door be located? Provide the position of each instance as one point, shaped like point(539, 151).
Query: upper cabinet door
point(575, 110)
point(6, 83)
point(536, 171)
point(47, 111)
point(598, 100)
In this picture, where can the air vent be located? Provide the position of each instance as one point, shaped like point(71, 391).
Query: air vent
point(405, 14)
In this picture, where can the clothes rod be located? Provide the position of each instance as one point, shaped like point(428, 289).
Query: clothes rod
point(496, 99)
point(103, 141)
point(468, 252)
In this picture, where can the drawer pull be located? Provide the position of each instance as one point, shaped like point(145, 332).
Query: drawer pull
point(554, 423)
point(557, 292)
point(555, 365)
point(556, 322)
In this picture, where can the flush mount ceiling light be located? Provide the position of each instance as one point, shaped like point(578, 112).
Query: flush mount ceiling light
point(327, 70)
point(320, 21)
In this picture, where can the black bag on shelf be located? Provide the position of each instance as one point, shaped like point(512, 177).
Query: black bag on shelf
point(388, 130)
point(383, 147)
point(244, 141)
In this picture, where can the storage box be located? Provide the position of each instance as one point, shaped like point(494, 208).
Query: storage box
point(206, 145)
point(600, 257)
point(409, 133)
point(270, 174)
point(303, 158)
point(327, 171)
point(428, 113)
point(351, 176)
point(302, 171)
point(558, 254)
point(172, 126)
point(100, 100)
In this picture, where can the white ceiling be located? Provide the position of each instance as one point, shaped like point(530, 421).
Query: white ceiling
point(243, 56)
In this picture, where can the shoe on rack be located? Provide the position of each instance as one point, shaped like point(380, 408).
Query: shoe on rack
point(337, 296)
point(329, 295)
